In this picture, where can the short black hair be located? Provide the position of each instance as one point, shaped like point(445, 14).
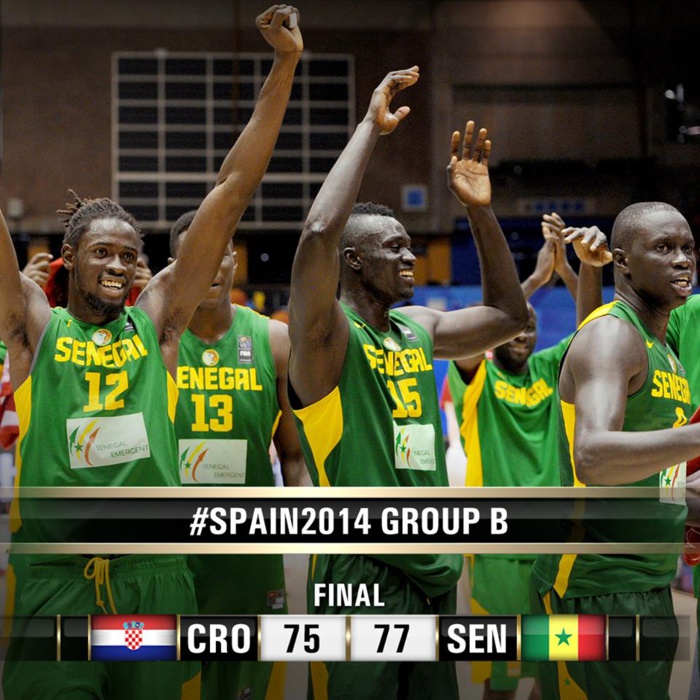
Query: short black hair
point(630, 220)
point(80, 213)
point(353, 228)
point(178, 228)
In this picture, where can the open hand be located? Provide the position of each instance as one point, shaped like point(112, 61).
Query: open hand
point(468, 172)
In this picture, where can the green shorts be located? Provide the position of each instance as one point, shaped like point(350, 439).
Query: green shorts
point(500, 586)
point(138, 584)
point(240, 584)
point(380, 680)
point(646, 680)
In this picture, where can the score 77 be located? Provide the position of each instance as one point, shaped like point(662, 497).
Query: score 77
point(312, 641)
point(393, 637)
point(385, 634)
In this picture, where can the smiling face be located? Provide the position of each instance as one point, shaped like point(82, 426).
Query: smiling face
point(659, 262)
point(513, 355)
point(102, 268)
point(382, 259)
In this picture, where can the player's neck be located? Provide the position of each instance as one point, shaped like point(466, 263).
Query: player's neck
point(211, 325)
point(373, 311)
point(80, 310)
point(651, 315)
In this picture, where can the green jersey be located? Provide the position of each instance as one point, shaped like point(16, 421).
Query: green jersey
point(97, 409)
point(381, 427)
point(227, 410)
point(662, 402)
point(508, 422)
point(683, 336)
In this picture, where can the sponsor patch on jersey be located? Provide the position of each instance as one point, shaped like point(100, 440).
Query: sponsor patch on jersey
point(672, 485)
point(103, 441)
point(408, 333)
point(212, 461)
point(102, 337)
point(245, 349)
point(275, 599)
point(414, 447)
point(210, 357)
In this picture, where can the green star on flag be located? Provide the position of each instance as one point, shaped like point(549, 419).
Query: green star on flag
point(563, 637)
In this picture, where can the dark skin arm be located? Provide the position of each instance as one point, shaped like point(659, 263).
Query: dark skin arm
point(318, 328)
point(173, 295)
point(592, 250)
point(24, 310)
point(539, 277)
point(286, 438)
point(590, 245)
point(606, 363)
point(552, 229)
point(503, 314)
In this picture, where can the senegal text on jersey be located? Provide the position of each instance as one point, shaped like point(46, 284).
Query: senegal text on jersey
point(86, 353)
point(221, 378)
point(395, 364)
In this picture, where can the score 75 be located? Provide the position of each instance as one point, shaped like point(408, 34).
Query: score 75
point(303, 638)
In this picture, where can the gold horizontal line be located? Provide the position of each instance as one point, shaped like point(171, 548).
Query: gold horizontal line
point(336, 492)
point(282, 547)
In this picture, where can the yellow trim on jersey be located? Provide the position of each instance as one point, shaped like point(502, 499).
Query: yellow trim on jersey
point(319, 680)
point(192, 689)
point(23, 406)
point(469, 427)
point(172, 396)
point(568, 411)
point(275, 424)
point(566, 564)
point(597, 313)
point(568, 688)
point(275, 684)
point(323, 426)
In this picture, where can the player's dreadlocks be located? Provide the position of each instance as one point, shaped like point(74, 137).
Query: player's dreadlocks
point(80, 213)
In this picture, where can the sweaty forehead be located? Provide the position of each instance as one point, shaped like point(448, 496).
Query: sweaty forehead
point(114, 231)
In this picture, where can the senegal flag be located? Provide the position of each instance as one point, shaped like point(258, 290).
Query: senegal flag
point(563, 638)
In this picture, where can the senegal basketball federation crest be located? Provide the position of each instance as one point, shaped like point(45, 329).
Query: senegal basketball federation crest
point(133, 634)
point(101, 337)
point(210, 357)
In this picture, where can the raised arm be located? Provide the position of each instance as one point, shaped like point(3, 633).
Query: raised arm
point(544, 268)
point(605, 363)
point(286, 438)
point(173, 295)
point(503, 314)
point(24, 309)
point(591, 247)
point(318, 329)
point(553, 229)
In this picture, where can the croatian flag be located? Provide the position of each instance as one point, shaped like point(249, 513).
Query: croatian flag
point(133, 638)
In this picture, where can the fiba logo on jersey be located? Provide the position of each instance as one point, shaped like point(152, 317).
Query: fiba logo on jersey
point(101, 337)
point(210, 357)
